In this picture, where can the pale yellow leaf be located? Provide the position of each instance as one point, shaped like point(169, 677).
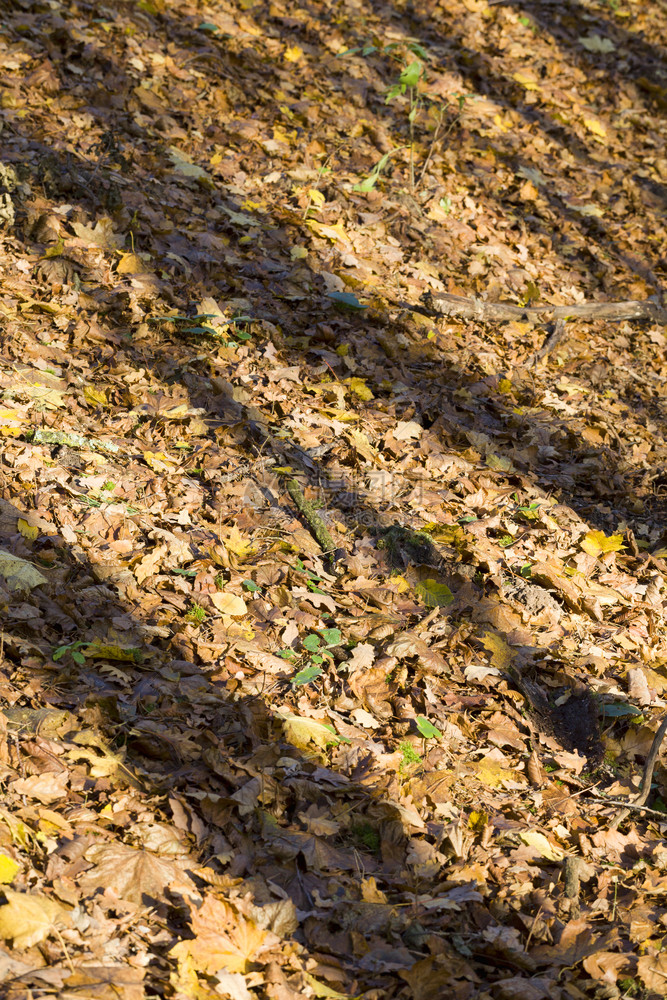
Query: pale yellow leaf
point(130, 263)
point(335, 233)
point(29, 918)
point(238, 544)
point(292, 54)
point(360, 389)
point(95, 396)
point(229, 604)
point(494, 775)
point(301, 732)
point(596, 127)
point(159, 462)
point(18, 574)
point(542, 845)
point(501, 653)
point(526, 80)
point(29, 531)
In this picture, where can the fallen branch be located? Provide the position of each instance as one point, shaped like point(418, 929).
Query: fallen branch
point(460, 307)
point(307, 509)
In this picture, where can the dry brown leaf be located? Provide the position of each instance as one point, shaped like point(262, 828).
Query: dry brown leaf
point(134, 875)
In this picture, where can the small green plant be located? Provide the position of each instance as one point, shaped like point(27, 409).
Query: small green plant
point(319, 645)
point(366, 836)
point(427, 729)
point(196, 615)
point(411, 80)
point(74, 650)
point(410, 757)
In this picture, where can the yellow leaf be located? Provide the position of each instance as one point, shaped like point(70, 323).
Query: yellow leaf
point(27, 530)
point(434, 594)
point(28, 918)
point(229, 604)
point(362, 445)
point(335, 233)
point(8, 869)
point(596, 543)
point(596, 127)
point(292, 54)
point(492, 774)
point(298, 253)
point(301, 732)
point(501, 654)
point(235, 542)
point(112, 651)
point(224, 939)
point(360, 389)
point(130, 263)
point(316, 197)
point(95, 396)
point(541, 844)
point(322, 990)
point(526, 81)
point(477, 821)
point(159, 462)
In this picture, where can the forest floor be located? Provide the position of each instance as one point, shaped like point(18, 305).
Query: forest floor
point(328, 624)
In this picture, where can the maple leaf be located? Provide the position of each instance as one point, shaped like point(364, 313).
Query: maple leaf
point(132, 874)
point(224, 939)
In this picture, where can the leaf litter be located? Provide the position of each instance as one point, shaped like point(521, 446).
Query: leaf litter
point(330, 618)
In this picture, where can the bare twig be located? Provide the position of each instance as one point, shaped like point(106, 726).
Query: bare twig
point(637, 803)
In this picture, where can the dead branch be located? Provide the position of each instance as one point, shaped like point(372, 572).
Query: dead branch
point(460, 307)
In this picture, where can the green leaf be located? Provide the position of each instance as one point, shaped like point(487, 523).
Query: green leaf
point(411, 74)
point(434, 594)
point(619, 709)
point(347, 300)
point(306, 675)
point(312, 643)
point(418, 50)
point(427, 729)
point(367, 185)
point(393, 92)
point(332, 636)
point(286, 654)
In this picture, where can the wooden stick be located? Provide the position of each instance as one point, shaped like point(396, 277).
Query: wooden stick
point(638, 802)
point(460, 307)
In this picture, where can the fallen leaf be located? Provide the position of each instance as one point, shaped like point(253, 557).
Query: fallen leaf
point(29, 918)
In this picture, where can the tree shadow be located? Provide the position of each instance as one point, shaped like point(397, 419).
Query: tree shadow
point(221, 256)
